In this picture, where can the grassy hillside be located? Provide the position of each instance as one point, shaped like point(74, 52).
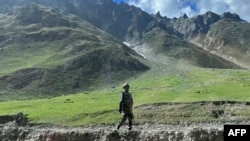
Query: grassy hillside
point(159, 85)
point(44, 53)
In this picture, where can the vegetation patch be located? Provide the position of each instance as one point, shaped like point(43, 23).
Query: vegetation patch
point(168, 98)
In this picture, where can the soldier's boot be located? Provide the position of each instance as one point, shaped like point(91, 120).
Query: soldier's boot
point(130, 128)
point(118, 126)
point(130, 123)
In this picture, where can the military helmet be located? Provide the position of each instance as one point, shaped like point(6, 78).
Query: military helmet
point(125, 85)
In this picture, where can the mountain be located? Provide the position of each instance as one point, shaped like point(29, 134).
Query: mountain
point(131, 24)
point(226, 35)
point(61, 46)
point(46, 53)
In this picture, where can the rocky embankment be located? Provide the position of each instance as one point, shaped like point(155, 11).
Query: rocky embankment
point(208, 132)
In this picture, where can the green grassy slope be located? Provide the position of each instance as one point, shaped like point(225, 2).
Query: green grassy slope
point(159, 85)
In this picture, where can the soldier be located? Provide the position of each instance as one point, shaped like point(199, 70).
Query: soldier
point(126, 107)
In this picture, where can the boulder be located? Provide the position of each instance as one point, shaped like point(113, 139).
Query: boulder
point(20, 119)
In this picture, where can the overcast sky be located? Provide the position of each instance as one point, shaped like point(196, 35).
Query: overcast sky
point(176, 8)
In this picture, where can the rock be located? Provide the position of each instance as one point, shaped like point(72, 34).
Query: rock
point(229, 15)
point(139, 133)
point(20, 119)
point(9, 132)
point(217, 113)
point(184, 16)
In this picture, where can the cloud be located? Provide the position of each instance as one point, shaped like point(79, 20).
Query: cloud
point(166, 8)
point(176, 8)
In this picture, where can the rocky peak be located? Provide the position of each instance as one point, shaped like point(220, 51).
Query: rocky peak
point(184, 16)
point(210, 18)
point(211, 15)
point(228, 15)
point(191, 27)
point(158, 15)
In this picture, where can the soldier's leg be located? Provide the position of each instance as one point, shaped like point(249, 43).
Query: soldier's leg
point(130, 120)
point(124, 118)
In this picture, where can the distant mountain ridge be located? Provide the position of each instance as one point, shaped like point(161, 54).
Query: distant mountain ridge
point(78, 44)
point(224, 35)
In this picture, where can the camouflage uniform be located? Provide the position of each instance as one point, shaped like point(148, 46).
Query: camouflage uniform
point(126, 108)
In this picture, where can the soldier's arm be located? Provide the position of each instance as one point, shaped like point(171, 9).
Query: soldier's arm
point(132, 100)
point(121, 103)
